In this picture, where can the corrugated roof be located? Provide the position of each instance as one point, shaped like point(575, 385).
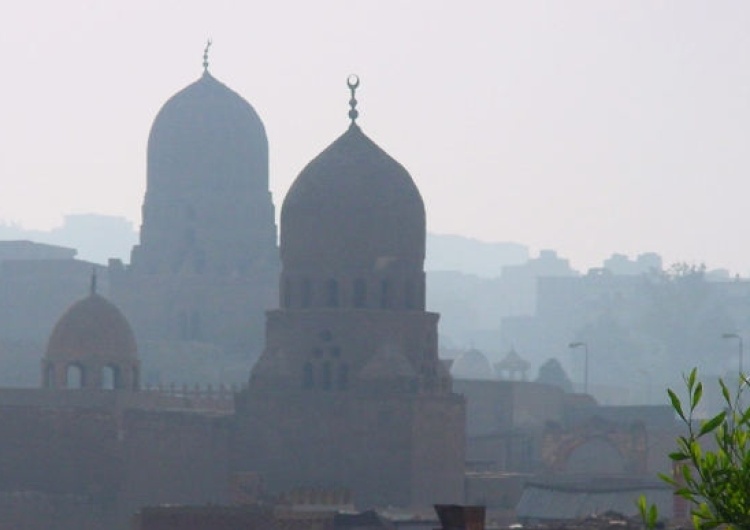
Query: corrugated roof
point(565, 502)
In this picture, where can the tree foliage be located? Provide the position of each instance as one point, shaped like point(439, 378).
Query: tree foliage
point(552, 373)
point(712, 460)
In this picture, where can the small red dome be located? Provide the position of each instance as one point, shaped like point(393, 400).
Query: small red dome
point(92, 328)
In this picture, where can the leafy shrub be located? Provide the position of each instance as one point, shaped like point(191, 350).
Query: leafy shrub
point(712, 461)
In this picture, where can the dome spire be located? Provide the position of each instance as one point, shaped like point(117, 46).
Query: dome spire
point(353, 82)
point(205, 56)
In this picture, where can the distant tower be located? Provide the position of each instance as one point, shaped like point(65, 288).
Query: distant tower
point(349, 392)
point(92, 347)
point(206, 267)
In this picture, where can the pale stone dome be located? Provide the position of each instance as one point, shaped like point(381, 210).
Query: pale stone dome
point(472, 364)
point(205, 131)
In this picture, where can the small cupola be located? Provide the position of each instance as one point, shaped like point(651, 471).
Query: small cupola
point(92, 346)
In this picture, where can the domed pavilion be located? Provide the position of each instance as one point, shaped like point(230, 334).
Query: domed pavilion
point(92, 347)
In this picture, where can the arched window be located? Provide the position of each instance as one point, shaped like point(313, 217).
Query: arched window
point(75, 377)
point(306, 293)
point(110, 378)
point(385, 294)
point(332, 293)
point(360, 293)
point(343, 378)
point(308, 377)
point(326, 376)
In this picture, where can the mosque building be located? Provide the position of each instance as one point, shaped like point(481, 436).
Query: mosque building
point(351, 363)
point(348, 395)
point(206, 266)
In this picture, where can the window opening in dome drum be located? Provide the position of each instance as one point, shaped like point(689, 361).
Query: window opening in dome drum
point(360, 293)
point(110, 378)
point(385, 294)
point(308, 377)
point(343, 382)
point(332, 293)
point(75, 377)
point(325, 378)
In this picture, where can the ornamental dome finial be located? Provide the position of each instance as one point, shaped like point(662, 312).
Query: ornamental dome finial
point(353, 82)
point(205, 56)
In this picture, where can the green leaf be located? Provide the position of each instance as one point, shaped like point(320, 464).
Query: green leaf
point(725, 392)
point(676, 405)
point(691, 378)
point(668, 479)
point(695, 453)
point(696, 398)
point(649, 513)
point(745, 418)
point(711, 424)
point(713, 477)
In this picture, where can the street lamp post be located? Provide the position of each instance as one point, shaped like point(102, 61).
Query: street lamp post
point(576, 345)
point(739, 345)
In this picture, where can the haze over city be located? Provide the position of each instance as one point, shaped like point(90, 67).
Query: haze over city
point(587, 127)
point(189, 340)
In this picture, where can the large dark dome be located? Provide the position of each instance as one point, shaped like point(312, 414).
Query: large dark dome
point(206, 131)
point(352, 207)
point(92, 328)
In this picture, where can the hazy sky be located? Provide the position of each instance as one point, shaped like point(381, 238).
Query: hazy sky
point(589, 127)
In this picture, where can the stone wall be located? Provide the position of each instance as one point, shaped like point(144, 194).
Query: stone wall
point(388, 449)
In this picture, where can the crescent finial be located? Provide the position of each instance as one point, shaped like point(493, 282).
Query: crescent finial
point(353, 83)
point(205, 55)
